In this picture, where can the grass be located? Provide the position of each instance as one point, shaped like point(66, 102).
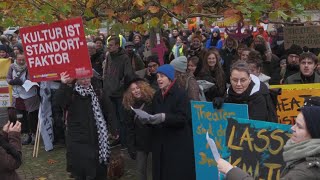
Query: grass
point(52, 165)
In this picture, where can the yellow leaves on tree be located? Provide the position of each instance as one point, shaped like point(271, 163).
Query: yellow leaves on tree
point(138, 2)
point(154, 9)
point(154, 22)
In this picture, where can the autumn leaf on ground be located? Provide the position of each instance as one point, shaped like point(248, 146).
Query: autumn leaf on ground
point(154, 9)
point(138, 2)
point(51, 161)
point(42, 178)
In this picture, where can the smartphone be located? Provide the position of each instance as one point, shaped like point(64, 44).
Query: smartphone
point(12, 114)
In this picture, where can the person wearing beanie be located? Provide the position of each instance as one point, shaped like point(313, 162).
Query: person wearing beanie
point(3, 51)
point(138, 94)
point(185, 80)
point(293, 55)
point(307, 63)
point(136, 61)
point(301, 152)
point(172, 143)
point(215, 39)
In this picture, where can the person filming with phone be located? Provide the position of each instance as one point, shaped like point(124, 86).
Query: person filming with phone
point(10, 148)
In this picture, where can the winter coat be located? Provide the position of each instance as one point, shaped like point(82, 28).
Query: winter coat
point(272, 69)
point(189, 83)
point(259, 101)
point(136, 62)
point(8, 164)
point(307, 168)
point(117, 66)
point(82, 136)
point(139, 135)
point(264, 78)
point(172, 149)
point(228, 58)
point(297, 79)
point(214, 91)
point(219, 44)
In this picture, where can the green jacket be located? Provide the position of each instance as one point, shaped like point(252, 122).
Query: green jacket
point(296, 79)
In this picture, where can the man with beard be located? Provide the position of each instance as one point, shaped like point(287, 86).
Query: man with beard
point(136, 61)
point(293, 55)
point(307, 64)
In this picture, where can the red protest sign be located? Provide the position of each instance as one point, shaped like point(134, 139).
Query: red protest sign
point(51, 49)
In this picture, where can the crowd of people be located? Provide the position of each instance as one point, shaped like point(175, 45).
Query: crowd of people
point(94, 114)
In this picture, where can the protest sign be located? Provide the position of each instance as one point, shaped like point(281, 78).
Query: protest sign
point(206, 119)
point(256, 146)
point(302, 35)
point(292, 98)
point(51, 49)
point(5, 88)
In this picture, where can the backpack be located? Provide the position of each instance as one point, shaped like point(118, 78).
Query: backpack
point(202, 97)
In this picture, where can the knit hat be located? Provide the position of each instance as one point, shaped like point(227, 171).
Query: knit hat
point(180, 64)
point(311, 101)
point(294, 49)
point(217, 30)
point(153, 58)
point(3, 48)
point(129, 79)
point(19, 46)
point(129, 44)
point(311, 117)
point(167, 70)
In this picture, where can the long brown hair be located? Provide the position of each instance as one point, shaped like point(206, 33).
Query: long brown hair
point(217, 70)
point(147, 93)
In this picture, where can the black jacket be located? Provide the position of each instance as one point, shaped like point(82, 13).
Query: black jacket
point(172, 150)
point(117, 66)
point(82, 136)
point(139, 135)
point(260, 105)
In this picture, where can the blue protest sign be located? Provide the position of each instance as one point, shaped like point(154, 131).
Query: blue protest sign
point(205, 118)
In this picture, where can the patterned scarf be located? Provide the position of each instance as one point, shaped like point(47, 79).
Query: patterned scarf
point(19, 69)
point(104, 149)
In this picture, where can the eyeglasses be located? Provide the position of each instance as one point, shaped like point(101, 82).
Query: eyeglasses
point(152, 65)
point(236, 81)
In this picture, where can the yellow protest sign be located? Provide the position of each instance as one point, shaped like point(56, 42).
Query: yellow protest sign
point(5, 88)
point(292, 98)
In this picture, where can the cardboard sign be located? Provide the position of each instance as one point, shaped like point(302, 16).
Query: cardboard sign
point(5, 88)
point(292, 98)
point(302, 35)
point(205, 118)
point(51, 49)
point(256, 146)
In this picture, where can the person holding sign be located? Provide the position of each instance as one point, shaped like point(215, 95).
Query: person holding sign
point(301, 152)
point(308, 63)
point(88, 149)
point(248, 89)
point(172, 143)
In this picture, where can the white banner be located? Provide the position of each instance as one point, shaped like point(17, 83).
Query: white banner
point(45, 116)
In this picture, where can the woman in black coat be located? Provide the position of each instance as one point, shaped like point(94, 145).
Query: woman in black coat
point(247, 89)
point(172, 149)
point(138, 94)
point(87, 135)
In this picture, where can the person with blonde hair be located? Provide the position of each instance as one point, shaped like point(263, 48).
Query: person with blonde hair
point(138, 94)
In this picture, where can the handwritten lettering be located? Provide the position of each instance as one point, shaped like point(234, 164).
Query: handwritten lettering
point(212, 116)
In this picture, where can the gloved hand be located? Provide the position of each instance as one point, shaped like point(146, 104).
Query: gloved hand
point(218, 102)
point(16, 81)
point(142, 120)
point(132, 154)
point(157, 118)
